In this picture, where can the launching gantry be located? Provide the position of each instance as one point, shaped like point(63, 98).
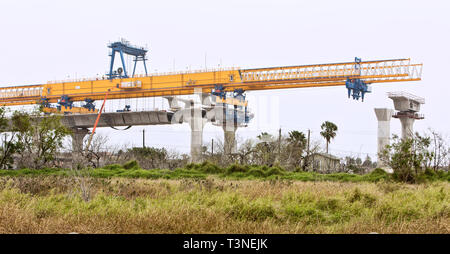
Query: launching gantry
point(355, 76)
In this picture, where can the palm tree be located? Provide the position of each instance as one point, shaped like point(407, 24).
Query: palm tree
point(296, 146)
point(328, 131)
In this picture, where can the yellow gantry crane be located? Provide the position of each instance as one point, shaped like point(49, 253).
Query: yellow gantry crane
point(356, 76)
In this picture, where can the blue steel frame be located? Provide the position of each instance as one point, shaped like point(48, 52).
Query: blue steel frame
point(90, 105)
point(65, 101)
point(124, 48)
point(219, 91)
point(356, 87)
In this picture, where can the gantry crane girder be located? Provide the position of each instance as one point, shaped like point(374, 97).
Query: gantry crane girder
point(184, 83)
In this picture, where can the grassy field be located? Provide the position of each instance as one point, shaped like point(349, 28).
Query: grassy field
point(55, 203)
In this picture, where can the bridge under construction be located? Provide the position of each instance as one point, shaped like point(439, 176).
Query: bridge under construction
point(222, 92)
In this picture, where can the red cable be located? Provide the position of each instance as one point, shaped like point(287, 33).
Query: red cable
point(99, 113)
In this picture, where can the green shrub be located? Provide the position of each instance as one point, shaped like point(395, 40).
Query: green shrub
point(132, 164)
point(378, 171)
point(142, 173)
point(428, 175)
point(191, 166)
point(377, 175)
point(101, 172)
point(236, 168)
point(256, 172)
point(208, 167)
point(430, 172)
point(275, 171)
point(299, 170)
point(442, 175)
point(446, 176)
point(113, 166)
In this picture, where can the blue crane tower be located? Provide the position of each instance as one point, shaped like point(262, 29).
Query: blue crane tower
point(124, 47)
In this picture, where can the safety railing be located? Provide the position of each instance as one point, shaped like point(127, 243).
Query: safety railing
point(20, 92)
point(407, 96)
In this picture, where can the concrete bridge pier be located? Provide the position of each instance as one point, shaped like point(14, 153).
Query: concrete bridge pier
point(408, 106)
point(384, 116)
point(196, 122)
point(229, 140)
point(78, 135)
point(192, 113)
point(407, 127)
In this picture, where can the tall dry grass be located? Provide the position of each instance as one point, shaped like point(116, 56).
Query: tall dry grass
point(55, 204)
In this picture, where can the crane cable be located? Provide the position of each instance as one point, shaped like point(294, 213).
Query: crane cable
point(96, 121)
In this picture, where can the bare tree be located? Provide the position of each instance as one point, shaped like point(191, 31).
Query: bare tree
point(440, 151)
point(314, 147)
point(246, 151)
point(176, 159)
point(98, 151)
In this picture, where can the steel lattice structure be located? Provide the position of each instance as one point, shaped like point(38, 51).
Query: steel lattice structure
point(354, 75)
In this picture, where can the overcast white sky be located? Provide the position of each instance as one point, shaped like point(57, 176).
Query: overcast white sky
point(48, 40)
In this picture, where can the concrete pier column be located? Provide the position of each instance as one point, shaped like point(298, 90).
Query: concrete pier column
point(229, 140)
point(407, 127)
point(78, 135)
point(196, 122)
point(408, 106)
point(193, 114)
point(384, 116)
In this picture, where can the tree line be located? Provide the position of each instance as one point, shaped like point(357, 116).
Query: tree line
point(30, 140)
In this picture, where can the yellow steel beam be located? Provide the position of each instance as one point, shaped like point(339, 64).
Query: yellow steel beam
point(395, 70)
